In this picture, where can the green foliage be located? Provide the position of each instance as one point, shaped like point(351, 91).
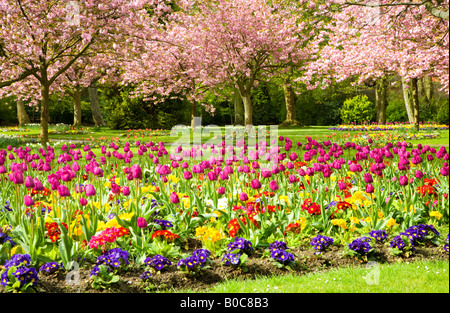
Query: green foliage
point(122, 111)
point(9, 111)
point(442, 115)
point(396, 111)
point(357, 110)
point(104, 279)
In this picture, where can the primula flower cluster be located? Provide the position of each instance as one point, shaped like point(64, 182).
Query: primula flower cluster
point(50, 267)
point(23, 272)
point(240, 245)
point(166, 234)
point(312, 207)
point(112, 259)
point(4, 236)
point(195, 262)
point(361, 245)
point(279, 253)
point(321, 243)
point(53, 231)
point(158, 262)
point(108, 235)
point(378, 235)
point(208, 234)
point(236, 249)
point(417, 233)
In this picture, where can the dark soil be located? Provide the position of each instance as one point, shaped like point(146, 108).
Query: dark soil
point(171, 279)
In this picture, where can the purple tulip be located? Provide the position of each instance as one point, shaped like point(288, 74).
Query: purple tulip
point(221, 190)
point(444, 171)
point(265, 173)
point(212, 176)
point(115, 189)
point(292, 179)
point(342, 185)
point(38, 186)
point(136, 171)
point(29, 182)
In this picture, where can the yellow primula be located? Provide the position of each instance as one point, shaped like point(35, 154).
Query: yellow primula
point(391, 223)
point(208, 234)
point(172, 178)
point(106, 206)
point(285, 199)
point(186, 202)
point(341, 223)
point(436, 214)
point(411, 208)
point(302, 222)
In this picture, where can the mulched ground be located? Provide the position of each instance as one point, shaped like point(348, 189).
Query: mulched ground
point(171, 279)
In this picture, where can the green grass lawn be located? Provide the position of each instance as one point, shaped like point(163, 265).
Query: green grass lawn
point(414, 277)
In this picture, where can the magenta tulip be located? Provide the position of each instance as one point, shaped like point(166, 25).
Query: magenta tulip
point(142, 222)
point(255, 184)
point(243, 196)
point(174, 198)
point(89, 190)
point(403, 180)
point(28, 201)
point(83, 201)
point(63, 191)
point(126, 191)
point(369, 188)
point(273, 185)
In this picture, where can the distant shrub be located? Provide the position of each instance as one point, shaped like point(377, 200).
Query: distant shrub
point(357, 110)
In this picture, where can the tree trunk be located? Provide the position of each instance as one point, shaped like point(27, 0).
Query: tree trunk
point(381, 99)
point(238, 109)
point(22, 115)
point(290, 100)
point(428, 90)
point(415, 102)
point(77, 106)
point(408, 104)
point(248, 119)
point(193, 114)
point(45, 104)
point(95, 107)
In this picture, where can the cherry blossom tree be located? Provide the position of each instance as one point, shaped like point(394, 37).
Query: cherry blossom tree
point(211, 45)
point(42, 40)
point(376, 43)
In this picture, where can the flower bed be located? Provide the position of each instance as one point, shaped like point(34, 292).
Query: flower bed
point(137, 208)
